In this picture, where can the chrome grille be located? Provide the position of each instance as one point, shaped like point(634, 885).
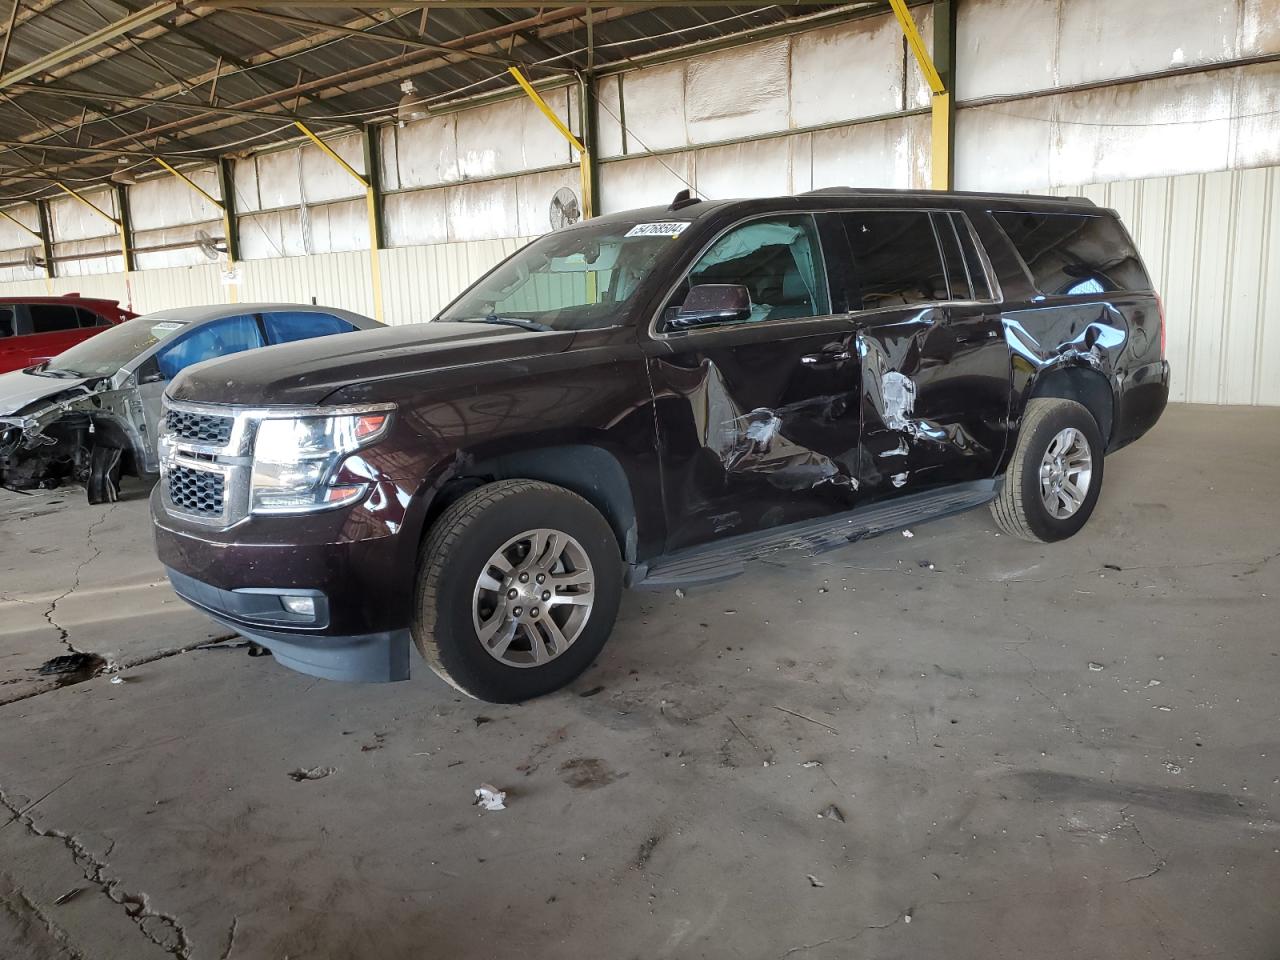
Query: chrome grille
point(199, 427)
point(196, 491)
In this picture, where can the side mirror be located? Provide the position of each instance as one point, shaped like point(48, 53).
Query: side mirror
point(712, 303)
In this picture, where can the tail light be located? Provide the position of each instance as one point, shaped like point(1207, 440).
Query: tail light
point(1163, 335)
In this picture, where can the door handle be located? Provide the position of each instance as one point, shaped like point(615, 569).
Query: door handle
point(827, 358)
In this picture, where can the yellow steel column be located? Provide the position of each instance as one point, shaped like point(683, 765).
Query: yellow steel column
point(941, 106)
point(371, 210)
point(232, 292)
point(584, 155)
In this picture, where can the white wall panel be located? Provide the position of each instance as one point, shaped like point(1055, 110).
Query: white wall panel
point(1182, 124)
point(421, 154)
point(323, 179)
point(1006, 46)
point(418, 217)
point(644, 181)
point(72, 220)
point(333, 279)
point(483, 211)
point(759, 168)
point(169, 202)
point(847, 71)
point(1212, 245)
point(738, 93)
point(15, 242)
point(654, 100)
point(885, 153)
point(609, 125)
point(189, 255)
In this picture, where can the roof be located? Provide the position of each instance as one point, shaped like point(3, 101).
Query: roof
point(64, 298)
point(200, 81)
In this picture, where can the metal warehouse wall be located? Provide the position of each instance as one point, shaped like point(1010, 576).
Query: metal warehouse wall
point(1169, 109)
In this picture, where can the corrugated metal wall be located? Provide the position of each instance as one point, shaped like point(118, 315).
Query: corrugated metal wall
point(1212, 244)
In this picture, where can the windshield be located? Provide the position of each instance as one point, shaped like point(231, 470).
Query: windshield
point(577, 279)
point(102, 355)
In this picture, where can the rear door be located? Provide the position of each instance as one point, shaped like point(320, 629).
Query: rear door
point(934, 366)
point(758, 420)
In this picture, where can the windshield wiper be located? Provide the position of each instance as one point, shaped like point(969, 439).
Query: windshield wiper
point(520, 322)
point(44, 370)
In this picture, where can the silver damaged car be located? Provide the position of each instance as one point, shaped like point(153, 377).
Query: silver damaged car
point(92, 413)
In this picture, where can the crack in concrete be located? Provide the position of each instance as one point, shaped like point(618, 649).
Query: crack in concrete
point(137, 905)
point(64, 634)
point(231, 939)
point(1161, 860)
point(848, 938)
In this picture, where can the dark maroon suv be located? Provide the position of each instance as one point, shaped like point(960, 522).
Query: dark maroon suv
point(654, 399)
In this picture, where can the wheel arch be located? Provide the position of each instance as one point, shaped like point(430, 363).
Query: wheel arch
point(592, 472)
point(1086, 386)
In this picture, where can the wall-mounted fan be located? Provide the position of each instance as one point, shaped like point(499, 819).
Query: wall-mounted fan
point(208, 245)
point(565, 209)
point(31, 259)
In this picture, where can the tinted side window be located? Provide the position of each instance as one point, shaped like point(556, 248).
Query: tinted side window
point(895, 257)
point(298, 325)
point(220, 338)
point(1068, 253)
point(50, 318)
point(6, 321)
point(90, 319)
point(778, 260)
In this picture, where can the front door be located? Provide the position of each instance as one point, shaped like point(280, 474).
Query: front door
point(758, 420)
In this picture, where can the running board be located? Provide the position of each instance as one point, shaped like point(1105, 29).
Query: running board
point(723, 559)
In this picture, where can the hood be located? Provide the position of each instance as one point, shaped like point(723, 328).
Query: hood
point(19, 390)
point(308, 371)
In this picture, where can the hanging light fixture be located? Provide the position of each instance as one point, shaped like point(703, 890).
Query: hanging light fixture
point(411, 106)
point(121, 175)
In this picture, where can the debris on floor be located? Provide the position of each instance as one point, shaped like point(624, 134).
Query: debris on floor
point(312, 773)
point(68, 896)
point(117, 679)
point(814, 881)
point(908, 534)
point(1096, 667)
point(591, 692)
point(71, 663)
point(832, 812)
point(490, 797)
point(679, 594)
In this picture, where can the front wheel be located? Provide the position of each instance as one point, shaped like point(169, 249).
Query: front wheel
point(520, 583)
point(1054, 478)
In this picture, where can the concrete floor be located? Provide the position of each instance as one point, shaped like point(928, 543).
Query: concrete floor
point(1062, 751)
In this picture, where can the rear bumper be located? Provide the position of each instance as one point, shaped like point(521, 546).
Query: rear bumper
point(1141, 399)
point(256, 613)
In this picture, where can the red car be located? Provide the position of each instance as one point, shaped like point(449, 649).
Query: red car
point(34, 329)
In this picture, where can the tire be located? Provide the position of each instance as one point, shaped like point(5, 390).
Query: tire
point(103, 484)
point(453, 602)
point(1022, 509)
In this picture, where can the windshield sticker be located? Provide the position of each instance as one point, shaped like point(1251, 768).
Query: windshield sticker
point(165, 327)
point(672, 228)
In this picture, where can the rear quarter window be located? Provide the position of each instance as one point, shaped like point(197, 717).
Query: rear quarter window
point(52, 318)
point(1068, 253)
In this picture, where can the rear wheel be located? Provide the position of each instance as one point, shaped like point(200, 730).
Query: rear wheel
point(520, 582)
point(1054, 478)
point(103, 484)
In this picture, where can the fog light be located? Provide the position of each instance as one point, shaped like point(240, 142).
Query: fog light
point(302, 606)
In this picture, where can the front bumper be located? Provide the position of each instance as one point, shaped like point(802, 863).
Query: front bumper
point(369, 658)
point(359, 574)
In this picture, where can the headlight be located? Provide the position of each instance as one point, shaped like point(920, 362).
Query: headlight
point(296, 459)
